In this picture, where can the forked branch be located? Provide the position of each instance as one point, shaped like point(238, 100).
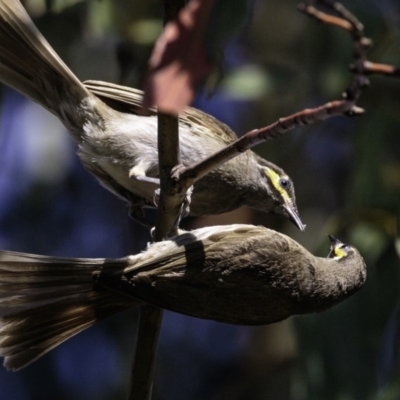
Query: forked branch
point(327, 12)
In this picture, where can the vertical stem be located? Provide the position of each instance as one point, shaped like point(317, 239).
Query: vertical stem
point(143, 366)
point(169, 157)
point(150, 318)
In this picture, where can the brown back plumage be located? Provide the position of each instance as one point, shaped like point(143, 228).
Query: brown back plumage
point(238, 274)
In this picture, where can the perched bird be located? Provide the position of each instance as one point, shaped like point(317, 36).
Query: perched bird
point(119, 146)
point(239, 274)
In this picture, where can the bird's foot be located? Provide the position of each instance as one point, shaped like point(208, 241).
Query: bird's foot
point(184, 212)
point(156, 197)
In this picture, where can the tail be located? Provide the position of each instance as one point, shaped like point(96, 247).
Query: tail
point(30, 65)
point(54, 300)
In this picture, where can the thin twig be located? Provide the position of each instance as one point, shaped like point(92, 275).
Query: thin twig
point(252, 138)
point(373, 68)
point(324, 17)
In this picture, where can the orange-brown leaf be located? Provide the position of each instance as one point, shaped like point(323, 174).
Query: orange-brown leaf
point(179, 61)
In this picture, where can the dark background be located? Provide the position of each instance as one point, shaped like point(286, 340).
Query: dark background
point(347, 178)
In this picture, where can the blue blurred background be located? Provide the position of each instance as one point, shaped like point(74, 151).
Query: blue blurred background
point(347, 176)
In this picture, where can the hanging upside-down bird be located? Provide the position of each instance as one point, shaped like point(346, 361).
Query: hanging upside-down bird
point(239, 274)
point(118, 146)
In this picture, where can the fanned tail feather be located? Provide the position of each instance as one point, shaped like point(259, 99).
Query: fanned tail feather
point(54, 300)
point(30, 65)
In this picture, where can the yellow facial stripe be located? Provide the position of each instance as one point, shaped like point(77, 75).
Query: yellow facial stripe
point(339, 253)
point(275, 178)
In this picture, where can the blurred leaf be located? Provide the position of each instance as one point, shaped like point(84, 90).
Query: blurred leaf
point(100, 17)
point(145, 31)
point(38, 7)
point(179, 60)
point(369, 240)
point(247, 83)
point(390, 393)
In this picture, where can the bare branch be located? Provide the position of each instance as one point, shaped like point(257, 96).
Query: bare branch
point(170, 200)
point(324, 17)
point(361, 68)
point(381, 69)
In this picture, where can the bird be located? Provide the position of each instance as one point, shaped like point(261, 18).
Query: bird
point(118, 145)
point(238, 274)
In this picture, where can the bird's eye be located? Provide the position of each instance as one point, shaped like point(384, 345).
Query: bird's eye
point(284, 183)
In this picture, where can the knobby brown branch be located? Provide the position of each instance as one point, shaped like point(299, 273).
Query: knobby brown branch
point(169, 157)
point(336, 15)
point(192, 173)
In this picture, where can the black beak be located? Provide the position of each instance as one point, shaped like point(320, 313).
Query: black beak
point(334, 241)
point(294, 217)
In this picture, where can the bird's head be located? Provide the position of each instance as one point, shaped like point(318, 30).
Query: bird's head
point(351, 260)
point(339, 250)
point(281, 190)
